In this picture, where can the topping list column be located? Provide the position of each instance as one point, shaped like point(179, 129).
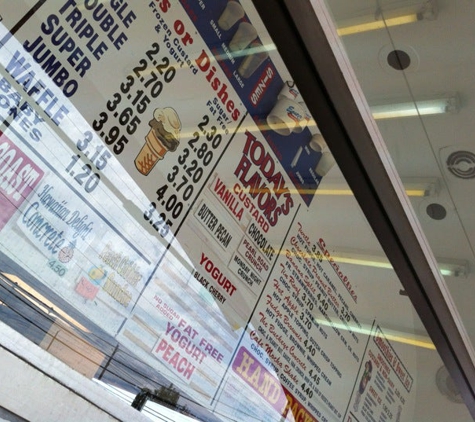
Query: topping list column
point(304, 333)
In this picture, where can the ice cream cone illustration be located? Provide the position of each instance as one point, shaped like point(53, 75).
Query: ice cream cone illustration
point(164, 136)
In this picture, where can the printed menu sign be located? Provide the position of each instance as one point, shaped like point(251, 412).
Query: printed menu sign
point(384, 383)
point(169, 197)
point(19, 176)
point(303, 333)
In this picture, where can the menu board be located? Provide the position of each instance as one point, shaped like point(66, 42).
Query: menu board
point(158, 165)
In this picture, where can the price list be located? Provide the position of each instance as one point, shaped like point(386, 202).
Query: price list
point(177, 149)
point(305, 314)
point(145, 82)
point(185, 178)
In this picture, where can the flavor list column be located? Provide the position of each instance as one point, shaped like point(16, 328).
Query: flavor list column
point(237, 224)
point(337, 298)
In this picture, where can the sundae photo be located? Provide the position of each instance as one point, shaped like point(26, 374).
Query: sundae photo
point(365, 378)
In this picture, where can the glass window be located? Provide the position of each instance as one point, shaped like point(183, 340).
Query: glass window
point(175, 226)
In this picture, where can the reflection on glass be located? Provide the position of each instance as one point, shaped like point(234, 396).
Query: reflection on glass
point(164, 226)
point(388, 17)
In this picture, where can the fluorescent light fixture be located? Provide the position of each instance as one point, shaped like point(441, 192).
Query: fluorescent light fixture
point(387, 18)
point(412, 192)
point(266, 48)
point(453, 269)
point(377, 24)
point(418, 187)
point(391, 335)
point(446, 267)
point(421, 186)
point(418, 108)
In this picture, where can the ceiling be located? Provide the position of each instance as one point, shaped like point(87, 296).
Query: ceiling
point(442, 62)
point(445, 63)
